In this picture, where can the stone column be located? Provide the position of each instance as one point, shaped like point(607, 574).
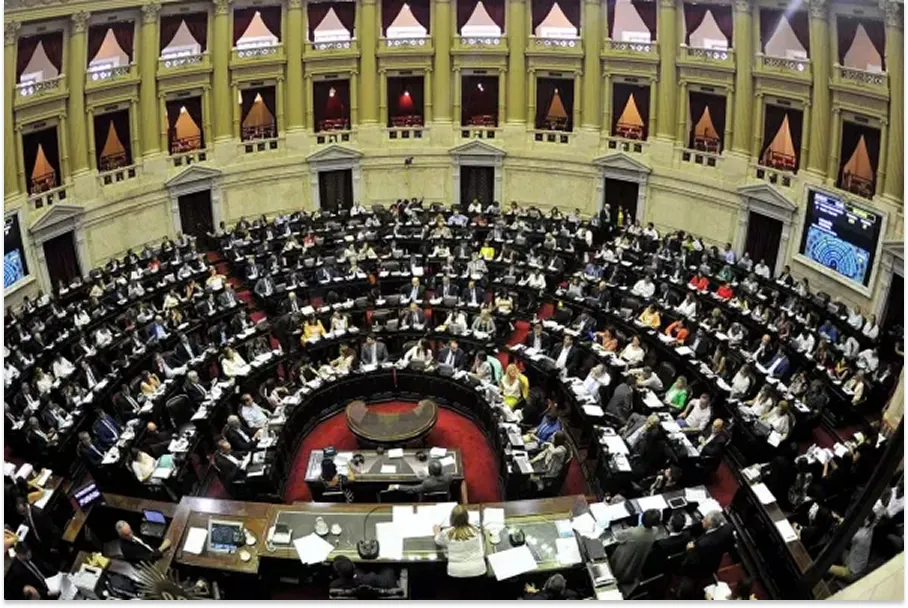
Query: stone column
point(75, 107)
point(895, 67)
point(441, 35)
point(592, 64)
point(221, 47)
point(744, 58)
point(10, 169)
point(517, 63)
point(294, 48)
point(820, 120)
point(368, 33)
point(148, 83)
point(668, 75)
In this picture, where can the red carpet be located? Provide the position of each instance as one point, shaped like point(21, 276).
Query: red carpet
point(451, 430)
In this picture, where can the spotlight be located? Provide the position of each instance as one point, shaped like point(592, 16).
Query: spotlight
point(331, 92)
point(479, 86)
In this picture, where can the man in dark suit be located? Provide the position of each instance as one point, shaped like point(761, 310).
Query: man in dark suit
point(207, 306)
point(227, 298)
point(186, 349)
point(700, 343)
point(264, 287)
point(41, 528)
point(763, 351)
point(105, 428)
point(705, 553)
point(632, 550)
point(622, 402)
point(136, 550)
point(437, 481)
point(678, 537)
point(194, 389)
point(373, 352)
point(472, 294)
point(713, 440)
point(88, 450)
point(414, 316)
point(446, 289)
point(537, 338)
point(87, 375)
point(26, 399)
point(414, 291)
point(24, 572)
point(228, 466)
point(565, 354)
point(238, 435)
point(218, 334)
point(126, 405)
point(291, 304)
point(451, 355)
point(155, 442)
point(38, 437)
point(779, 364)
point(325, 273)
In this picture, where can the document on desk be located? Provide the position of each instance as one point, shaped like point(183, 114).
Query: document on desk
point(195, 540)
point(438, 452)
point(312, 549)
point(609, 595)
point(651, 401)
point(697, 495)
point(390, 541)
point(512, 562)
point(615, 444)
point(388, 469)
point(787, 532)
point(568, 551)
point(763, 493)
point(492, 516)
point(652, 502)
point(448, 461)
point(396, 453)
point(401, 514)
point(774, 439)
point(593, 410)
point(708, 506)
point(586, 525)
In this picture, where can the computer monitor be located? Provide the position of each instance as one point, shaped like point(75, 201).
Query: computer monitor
point(155, 517)
point(225, 536)
point(87, 495)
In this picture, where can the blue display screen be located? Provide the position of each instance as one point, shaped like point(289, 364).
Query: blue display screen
point(14, 266)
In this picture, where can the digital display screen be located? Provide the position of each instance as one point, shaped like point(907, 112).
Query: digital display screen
point(14, 266)
point(87, 495)
point(840, 236)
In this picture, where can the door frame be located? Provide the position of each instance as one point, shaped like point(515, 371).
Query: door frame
point(59, 219)
point(622, 167)
point(766, 200)
point(460, 202)
point(335, 158)
point(478, 154)
point(191, 180)
point(892, 262)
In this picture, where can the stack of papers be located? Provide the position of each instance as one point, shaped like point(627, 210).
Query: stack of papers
point(586, 525)
point(390, 540)
point(593, 410)
point(695, 495)
point(568, 551)
point(708, 506)
point(787, 532)
point(652, 502)
point(195, 540)
point(513, 562)
point(493, 516)
point(606, 513)
point(312, 549)
point(763, 494)
point(396, 453)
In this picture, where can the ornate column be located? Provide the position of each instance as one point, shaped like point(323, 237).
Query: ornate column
point(442, 33)
point(820, 119)
point(757, 128)
point(832, 160)
point(592, 63)
point(294, 47)
point(367, 31)
point(75, 80)
point(895, 67)
point(221, 48)
point(681, 127)
point(10, 175)
point(668, 75)
point(517, 63)
point(148, 73)
point(606, 101)
point(744, 58)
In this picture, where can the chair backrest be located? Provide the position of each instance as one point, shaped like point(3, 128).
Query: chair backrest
point(178, 410)
point(666, 372)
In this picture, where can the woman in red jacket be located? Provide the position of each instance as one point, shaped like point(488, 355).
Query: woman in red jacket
point(699, 282)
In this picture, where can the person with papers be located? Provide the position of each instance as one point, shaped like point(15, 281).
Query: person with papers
point(463, 543)
point(437, 481)
point(134, 549)
point(256, 416)
point(348, 576)
point(705, 553)
point(27, 575)
point(553, 458)
point(546, 428)
point(233, 364)
point(633, 353)
point(141, 464)
point(632, 550)
point(229, 467)
point(696, 415)
point(779, 419)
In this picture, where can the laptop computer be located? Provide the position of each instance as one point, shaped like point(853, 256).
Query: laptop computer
point(153, 524)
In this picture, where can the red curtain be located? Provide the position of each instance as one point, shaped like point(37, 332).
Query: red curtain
point(169, 26)
point(247, 97)
point(194, 108)
point(47, 139)
point(401, 104)
point(271, 17)
point(724, 19)
point(25, 52)
point(476, 102)
point(716, 104)
point(198, 27)
point(270, 100)
point(541, 10)
point(694, 14)
point(242, 17)
point(315, 12)
point(96, 34)
point(495, 8)
point(420, 10)
point(53, 48)
point(647, 12)
point(389, 11)
point(326, 107)
point(125, 33)
point(545, 93)
point(773, 117)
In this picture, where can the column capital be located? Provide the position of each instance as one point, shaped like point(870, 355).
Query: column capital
point(294, 4)
point(743, 6)
point(11, 32)
point(80, 21)
point(150, 12)
point(667, 3)
point(221, 7)
point(892, 13)
point(818, 9)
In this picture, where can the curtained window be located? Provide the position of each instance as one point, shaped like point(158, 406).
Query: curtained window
point(555, 104)
point(861, 43)
point(331, 21)
point(708, 24)
point(405, 101)
point(784, 35)
point(257, 113)
point(31, 66)
point(111, 44)
point(331, 100)
point(479, 101)
point(707, 122)
point(408, 19)
point(631, 20)
point(42, 160)
point(630, 111)
point(257, 26)
point(553, 19)
point(859, 158)
point(184, 125)
point(184, 34)
point(480, 17)
point(782, 132)
point(113, 148)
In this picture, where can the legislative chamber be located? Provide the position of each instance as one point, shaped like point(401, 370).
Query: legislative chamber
point(453, 300)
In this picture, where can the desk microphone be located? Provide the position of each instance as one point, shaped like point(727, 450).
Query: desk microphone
point(368, 549)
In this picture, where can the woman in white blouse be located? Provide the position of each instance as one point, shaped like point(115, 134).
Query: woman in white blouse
point(536, 280)
point(142, 464)
point(778, 420)
point(420, 352)
point(855, 387)
point(43, 381)
point(740, 384)
point(339, 321)
point(687, 308)
point(503, 302)
point(62, 367)
point(344, 361)
point(234, 364)
point(633, 352)
point(871, 329)
point(215, 281)
point(81, 318)
point(464, 545)
point(763, 402)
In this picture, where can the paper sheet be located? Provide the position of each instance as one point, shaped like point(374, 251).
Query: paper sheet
point(585, 524)
point(708, 506)
point(388, 469)
point(512, 562)
point(615, 444)
point(396, 453)
point(438, 452)
point(390, 541)
point(195, 540)
point(652, 502)
point(448, 461)
point(492, 516)
point(54, 584)
point(401, 514)
point(568, 551)
point(697, 495)
point(312, 549)
point(787, 532)
point(763, 494)
point(593, 410)
point(45, 498)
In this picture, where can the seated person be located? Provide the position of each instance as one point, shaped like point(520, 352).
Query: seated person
point(413, 317)
point(677, 539)
point(373, 352)
point(547, 427)
point(141, 464)
point(712, 440)
point(233, 364)
point(255, 416)
point(413, 292)
point(484, 323)
point(779, 419)
point(696, 415)
point(633, 353)
point(552, 458)
point(650, 317)
point(437, 481)
point(515, 387)
point(134, 549)
point(452, 356)
point(608, 340)
point(678, 331)
point(647, 379)
point(676, 395)
point(312, 330)
point(555, 588)
point(348, 576)
point(705, 554)
point(344, 361)
point(537, 338)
